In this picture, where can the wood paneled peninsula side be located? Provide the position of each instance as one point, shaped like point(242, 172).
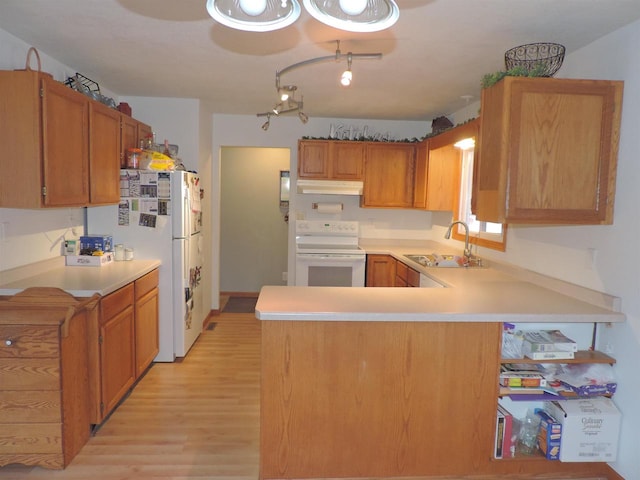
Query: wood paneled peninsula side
point(397, 382)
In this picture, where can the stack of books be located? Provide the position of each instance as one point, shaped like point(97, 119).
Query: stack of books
point(525, 381)
point(548, 345)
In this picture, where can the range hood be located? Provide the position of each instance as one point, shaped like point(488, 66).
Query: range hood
point(329, 187)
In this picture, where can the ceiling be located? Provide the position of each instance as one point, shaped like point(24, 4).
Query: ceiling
point(433, 58)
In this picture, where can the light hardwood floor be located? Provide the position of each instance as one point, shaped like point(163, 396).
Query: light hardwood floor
point(196, 420)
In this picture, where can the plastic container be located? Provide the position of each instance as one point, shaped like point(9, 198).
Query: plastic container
point(133, 157)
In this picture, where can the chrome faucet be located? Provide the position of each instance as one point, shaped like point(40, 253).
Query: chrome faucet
point(467, 250)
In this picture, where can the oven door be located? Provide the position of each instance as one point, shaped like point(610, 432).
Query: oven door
point(330, 270)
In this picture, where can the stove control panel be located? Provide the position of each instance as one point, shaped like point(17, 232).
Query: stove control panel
point(327, 228)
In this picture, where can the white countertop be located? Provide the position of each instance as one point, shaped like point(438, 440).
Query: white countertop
point(492, 293)
point(77, 281)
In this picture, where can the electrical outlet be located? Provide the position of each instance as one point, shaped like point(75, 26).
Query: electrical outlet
point(285, 276)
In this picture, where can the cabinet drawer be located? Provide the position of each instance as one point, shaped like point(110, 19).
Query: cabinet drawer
point(30, 407)
point(31, 438)
point(116, 302)
point(146, 283)
point(30, 374)
point(28, 341)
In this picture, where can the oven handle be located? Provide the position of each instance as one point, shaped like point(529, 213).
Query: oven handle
point(330, 256)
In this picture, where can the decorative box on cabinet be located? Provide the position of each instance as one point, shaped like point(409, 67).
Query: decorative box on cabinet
point(548, 151)
point(44, 395)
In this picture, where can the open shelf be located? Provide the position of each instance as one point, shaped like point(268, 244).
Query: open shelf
point(582, 356)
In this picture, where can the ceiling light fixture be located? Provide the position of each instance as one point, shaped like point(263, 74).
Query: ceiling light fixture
point(354, 15)
point(267, 15)
point(254, 15)
point(286, 101)
point(347, 75)
point(265, 125)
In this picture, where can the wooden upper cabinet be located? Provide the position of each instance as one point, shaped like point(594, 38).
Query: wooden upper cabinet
point(389, 175)
point(64, 118)
point(128, 137)
point(548, 151)
point(330, 159)
point(44, 141)
point(104, 154)
point(438, 164)
point(132, 132)
point(313, 159)
point(61, 148)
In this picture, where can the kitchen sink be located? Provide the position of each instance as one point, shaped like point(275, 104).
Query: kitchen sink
point(437, 260)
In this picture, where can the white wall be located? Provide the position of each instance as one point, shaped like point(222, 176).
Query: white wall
point(28, 236)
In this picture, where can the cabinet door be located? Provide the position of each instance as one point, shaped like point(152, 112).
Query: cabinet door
point(443, 178)
point(313, 159)
point(389, 176)
point(104, 154)
point(65, 116)
point(381, 271)
point(117, 357)
point(146, 314)
point(347, 160)
point(548, 151)
point(145, 133)
point(128, 137)
point(420, 176)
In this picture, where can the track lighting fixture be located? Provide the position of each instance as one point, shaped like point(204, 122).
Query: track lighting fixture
point(266, 15)
point(265, 125)
point(286, 101)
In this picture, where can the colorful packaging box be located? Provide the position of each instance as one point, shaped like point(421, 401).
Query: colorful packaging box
point(590, 429)
point(92, 243)
point(549, 435)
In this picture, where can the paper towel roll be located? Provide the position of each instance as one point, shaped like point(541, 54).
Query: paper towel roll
point(329, 207)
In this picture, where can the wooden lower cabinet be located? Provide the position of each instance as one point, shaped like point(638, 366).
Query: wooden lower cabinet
point(44, 394)
point(123, 341)
point(146, 321)
point(386, 271)
point(381, 271)
point(116, 343)
point(387, 399)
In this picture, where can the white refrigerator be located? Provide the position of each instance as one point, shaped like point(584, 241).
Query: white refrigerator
point(159, 216)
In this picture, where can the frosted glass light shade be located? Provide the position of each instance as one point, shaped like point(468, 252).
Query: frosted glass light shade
point(253, 7)
point(249, 15)
point(376, 15)
point(353, 7)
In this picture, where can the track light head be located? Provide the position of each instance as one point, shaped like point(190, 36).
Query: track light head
point(303, 117)
point(265, 125)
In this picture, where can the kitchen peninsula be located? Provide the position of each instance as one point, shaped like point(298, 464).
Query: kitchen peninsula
point(399, 382)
